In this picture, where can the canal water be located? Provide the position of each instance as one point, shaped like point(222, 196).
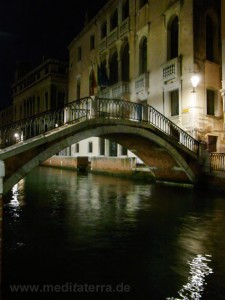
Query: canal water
point(85, 236)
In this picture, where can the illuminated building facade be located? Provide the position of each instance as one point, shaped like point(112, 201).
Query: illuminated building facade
point(150, 52)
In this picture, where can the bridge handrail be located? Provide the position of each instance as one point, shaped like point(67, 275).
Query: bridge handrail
point(117, 108)
point(94, 107)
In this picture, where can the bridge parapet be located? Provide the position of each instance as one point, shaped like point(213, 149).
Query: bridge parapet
point(90, 108)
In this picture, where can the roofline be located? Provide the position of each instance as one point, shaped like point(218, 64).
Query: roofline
point(90, 23)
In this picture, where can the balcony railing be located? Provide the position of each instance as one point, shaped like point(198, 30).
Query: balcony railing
point(113, 36)
point(115, 91)
point(217, 161)
point(171, 70)
point(102, 45)
point(124, 27)
point(142, 83)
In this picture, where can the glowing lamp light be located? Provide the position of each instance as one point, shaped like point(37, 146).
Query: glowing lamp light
point(16, 135)
point(195, 81)
point(56, 125)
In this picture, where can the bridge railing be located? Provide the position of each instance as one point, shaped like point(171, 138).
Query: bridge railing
point(217, 161)
point(31, 127)
point(114, 108)
point(93, 107)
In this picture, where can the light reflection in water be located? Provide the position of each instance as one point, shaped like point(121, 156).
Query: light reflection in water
point(97, 228)
point(199, 269)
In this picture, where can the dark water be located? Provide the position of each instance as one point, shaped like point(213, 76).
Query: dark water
point(84, 233)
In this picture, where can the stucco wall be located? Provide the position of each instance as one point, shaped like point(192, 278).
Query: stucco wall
point(67, 162)
point(113, 164)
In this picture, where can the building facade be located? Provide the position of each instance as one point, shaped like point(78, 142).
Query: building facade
point(166, 54)
point(44, 88)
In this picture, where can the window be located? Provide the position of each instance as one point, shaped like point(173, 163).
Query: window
point(79, 53)
point(143, 56)
point(92, 83)
point(142, 3)
point(125, 10)
point(210, 39)
point(174, 102)
point(103, 30)
point(114, 20)
point(123, 150)
point(113, 67)
point(112, 148)
point(173, 38)
point(210, 102)
point(125, 63)
point(77, 148)
point(46, 101)
point(78, 88)
point(38, 104)
point(101, 146)
point(92, 42)
point(90, 147)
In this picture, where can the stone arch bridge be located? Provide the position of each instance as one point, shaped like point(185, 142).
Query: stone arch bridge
point(171, 154)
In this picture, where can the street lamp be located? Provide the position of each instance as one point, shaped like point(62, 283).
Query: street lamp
point(194, 81)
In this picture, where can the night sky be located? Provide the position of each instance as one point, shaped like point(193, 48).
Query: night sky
point(33, 29)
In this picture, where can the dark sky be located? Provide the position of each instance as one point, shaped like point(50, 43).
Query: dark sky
point(31, 29)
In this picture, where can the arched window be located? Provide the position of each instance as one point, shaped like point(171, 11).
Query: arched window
point(173, 38)
point(125, 10)
point(125, 63)
point(113, 66)
point(210, 39)
point(103, 30)
point(114, 20)
point(143, 56)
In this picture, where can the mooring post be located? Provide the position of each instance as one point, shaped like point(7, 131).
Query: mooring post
point(2, 174)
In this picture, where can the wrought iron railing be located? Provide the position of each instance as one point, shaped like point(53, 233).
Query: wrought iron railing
point(217, 161)
point(93, 107)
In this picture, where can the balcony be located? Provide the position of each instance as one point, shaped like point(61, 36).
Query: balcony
point(102, 45)
point(119, 89)
point(124, 27)
point(171, 70)
point(115, 91)
point(113, 36)
point(142, 83)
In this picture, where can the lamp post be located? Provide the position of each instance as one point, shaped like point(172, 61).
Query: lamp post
point(194, 81)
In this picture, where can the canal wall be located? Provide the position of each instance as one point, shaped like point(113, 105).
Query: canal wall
point(67, 162)
point(113, 164)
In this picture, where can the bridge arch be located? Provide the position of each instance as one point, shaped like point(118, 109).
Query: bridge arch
point(165, 161)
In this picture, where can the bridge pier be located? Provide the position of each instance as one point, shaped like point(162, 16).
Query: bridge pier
point(2, 174)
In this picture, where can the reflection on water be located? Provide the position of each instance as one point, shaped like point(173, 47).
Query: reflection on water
point(63, 227)
point(199, 269)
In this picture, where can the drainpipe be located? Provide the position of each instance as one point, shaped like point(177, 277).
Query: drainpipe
point(2, 174)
